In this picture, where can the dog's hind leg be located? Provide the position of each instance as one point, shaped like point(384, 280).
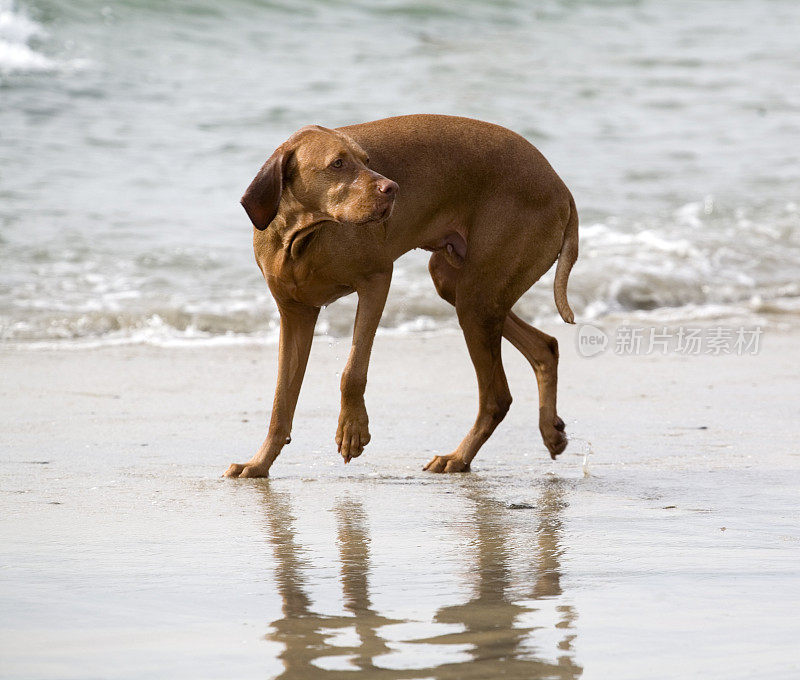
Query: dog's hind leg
point(482, 325)
point(541, 351)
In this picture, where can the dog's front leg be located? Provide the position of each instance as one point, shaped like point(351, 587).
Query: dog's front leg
point(297, 332)
point(352, 434)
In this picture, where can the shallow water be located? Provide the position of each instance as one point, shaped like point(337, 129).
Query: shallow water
point(129, 131)
point(531, 575)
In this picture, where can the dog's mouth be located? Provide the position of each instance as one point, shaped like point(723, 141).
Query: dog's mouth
point(385, 212)
point(379, 215)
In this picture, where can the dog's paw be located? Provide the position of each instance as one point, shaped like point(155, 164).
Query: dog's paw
point(352, 434)
point(554, 437)
point(244, 470)
point(448, 463)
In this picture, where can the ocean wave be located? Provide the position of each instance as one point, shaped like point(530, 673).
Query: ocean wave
point(701, 262)
point(17, 31)
point(21, 45)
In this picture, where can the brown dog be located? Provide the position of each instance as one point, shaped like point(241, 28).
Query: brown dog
point(328, 222)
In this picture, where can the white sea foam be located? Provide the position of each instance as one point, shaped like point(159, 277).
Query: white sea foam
point(21, 45)
point(658, 273)
point(155, 334)
point(17, 31)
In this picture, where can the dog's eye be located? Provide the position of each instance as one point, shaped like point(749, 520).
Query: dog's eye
point(338, 163)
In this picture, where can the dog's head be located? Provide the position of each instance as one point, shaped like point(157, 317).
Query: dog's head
point(321, 173)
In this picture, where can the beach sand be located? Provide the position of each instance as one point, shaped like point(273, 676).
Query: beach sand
point(671, 550)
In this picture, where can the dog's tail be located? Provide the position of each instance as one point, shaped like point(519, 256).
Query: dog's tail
point(566, 258)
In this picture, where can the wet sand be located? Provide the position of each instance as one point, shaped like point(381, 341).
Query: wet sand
point(125, 555)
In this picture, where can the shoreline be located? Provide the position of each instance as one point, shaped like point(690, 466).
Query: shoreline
point(401, 364)
point(769, 321)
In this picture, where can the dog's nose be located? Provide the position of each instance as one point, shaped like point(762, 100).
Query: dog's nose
point(388, 187)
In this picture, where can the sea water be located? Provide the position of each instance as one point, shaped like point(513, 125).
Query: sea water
point(129, 130)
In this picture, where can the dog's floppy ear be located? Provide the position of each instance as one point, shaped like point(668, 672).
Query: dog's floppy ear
point(262, 197)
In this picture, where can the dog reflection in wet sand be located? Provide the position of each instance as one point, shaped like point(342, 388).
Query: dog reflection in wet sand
point(332, 209)
point(495, 644)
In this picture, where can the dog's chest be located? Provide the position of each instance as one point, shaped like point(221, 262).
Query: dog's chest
point(327, 268)
point(299, 281)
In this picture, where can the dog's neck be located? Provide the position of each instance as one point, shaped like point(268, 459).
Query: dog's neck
point(294, 222)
